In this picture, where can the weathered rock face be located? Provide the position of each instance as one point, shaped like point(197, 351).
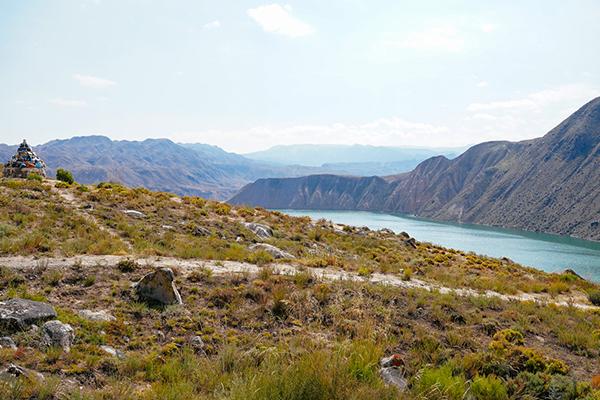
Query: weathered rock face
point(260, 230)
point(57, 334)
point(276, 252)
point(24, 163)
point(19, 314)
point(158, 287)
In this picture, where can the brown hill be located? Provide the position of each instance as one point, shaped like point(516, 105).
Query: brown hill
point(549, 184)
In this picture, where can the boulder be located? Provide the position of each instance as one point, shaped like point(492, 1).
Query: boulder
point(98, 316)
point(19, 314)
point(15, 371)
point(158, 287)
point(276, 252)
point(57, 334)
point(7, 343)
point(392, 371)
point(411, 242)
point(260, 230)
point(135, 213)
point(197, 344)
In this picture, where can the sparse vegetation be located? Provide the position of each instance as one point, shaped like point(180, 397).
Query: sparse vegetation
point(268, 335)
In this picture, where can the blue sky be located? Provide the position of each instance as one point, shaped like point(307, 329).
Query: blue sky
point(245, 75)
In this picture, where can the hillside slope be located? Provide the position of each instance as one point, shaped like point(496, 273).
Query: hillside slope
point(550, 184)
point(273, 306)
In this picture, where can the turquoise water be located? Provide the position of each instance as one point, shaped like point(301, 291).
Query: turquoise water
point(547, 252)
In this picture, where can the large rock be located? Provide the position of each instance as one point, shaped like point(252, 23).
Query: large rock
point(16, 371)
point(19, 314)
point(158, 287)
point(260, 230)
point(392, 371)
point(97, 316)
point(7, 343)
point(57, 334)
point(276, 252)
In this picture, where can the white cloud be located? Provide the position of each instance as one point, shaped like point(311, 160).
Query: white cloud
point(216, 24)
point(528, 116)
point(93, 81)
point(275, 18)
point(68, 103)
point(385, 132)
point(488, 27)
point(482, 84)
point(444, 37)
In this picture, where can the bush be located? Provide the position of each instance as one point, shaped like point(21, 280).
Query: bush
point(440, 383)
point(34, 177)
point(64, 176)
point(488, 388)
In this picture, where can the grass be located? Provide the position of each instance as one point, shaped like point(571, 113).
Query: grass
point(271, 336)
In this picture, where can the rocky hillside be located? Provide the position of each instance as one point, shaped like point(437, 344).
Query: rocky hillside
point(108, 292)
point(548, 184)
point(157, 164)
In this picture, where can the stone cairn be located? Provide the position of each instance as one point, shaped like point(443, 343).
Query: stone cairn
point(24, 163)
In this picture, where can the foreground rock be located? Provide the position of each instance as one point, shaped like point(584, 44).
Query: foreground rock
point(19, 314)
point(57, 334)
point(97, 316)
point(392, 371)
point(260, 230)
point(276, 252)
point(112, 351)
point(7, 343)
point(16, 371)
point(158, 287)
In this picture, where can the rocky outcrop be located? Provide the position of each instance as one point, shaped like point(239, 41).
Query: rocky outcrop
point(276, 252)
point(260, 230)
point(19, 314)
point(57, 334)
point(158, 287)
point(547, 184)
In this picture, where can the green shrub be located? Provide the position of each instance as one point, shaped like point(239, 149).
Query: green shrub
point(64, 176)
point(32, 176)
point(440, 384)
point(488, 388)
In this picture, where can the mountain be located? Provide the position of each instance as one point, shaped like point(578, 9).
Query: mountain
point(549, 184)
point(317, 155)
point(157, 164)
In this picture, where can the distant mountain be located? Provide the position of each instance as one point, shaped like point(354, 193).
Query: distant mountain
point(157, 164)
point(317, 155)
point(549, 184)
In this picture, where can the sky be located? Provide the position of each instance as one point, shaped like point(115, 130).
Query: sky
point(247, 75)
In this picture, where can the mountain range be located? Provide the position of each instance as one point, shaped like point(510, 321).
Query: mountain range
point(193, 169)
point(549, 184)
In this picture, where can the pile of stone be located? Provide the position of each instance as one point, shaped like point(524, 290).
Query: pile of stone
point(24, 163)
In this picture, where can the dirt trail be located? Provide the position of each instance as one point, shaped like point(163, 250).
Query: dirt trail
point(329, 274)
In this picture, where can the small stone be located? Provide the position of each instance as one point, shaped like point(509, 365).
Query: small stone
point(19, 314)
point(276, 252)
point(99, 316)
point(112, 351)
point(260, 230)
point(395, 360)
point(57, 334)
point(197, 344)
point(158, 287)
point(200, 231)
point(7, 343)
point(135, 213)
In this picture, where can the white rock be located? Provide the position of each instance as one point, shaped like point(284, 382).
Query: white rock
point(101, 316)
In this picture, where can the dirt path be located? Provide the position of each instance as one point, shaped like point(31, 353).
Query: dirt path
point(329, 274)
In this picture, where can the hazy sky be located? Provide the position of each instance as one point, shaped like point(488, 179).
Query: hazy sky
point(246, 75)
